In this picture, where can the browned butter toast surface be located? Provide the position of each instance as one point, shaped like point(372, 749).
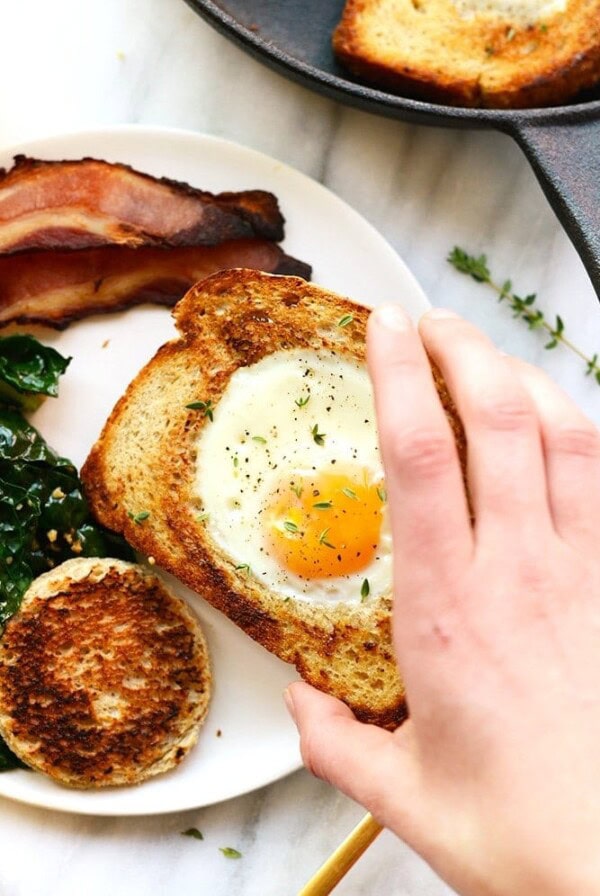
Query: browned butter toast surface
point(104, 675)
point(491, 53)
point(144, 464)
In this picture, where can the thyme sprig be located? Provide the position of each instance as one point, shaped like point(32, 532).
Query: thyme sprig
point(523, 307)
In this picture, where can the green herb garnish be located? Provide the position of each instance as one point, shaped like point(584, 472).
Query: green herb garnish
point(350, 494)
point(8, 760)
point(193, 832)
point(290, 525)
point(381, 494)
point(323, 539)
point(138, 517)
point(230, 853)
point(243, 567)
point(364, 590)
point(202, 517)
point(41, 492)
point(302, 401)
point(44, 517)
point(259, 439)
point(319, 437)
point(522, 306)
point(345, 320)
point(205, 406)
point(297, 490)
point(323, 505)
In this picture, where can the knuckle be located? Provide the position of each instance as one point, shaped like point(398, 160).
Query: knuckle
point(581, 441)
point(428, 452)
point(533, 575)
point(506, 413)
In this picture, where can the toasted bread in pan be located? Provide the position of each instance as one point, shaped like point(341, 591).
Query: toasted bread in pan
point(491, 53)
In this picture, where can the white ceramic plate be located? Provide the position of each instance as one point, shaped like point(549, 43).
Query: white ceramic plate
point(258, 742)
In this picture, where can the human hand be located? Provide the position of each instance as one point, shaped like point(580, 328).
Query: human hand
point(495, 779)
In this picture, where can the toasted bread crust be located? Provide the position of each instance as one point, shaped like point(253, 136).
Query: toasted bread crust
point(427, 50)
point(145, 459)
point(104, 676)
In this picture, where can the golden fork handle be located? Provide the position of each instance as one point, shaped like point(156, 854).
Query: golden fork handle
point(342, 860)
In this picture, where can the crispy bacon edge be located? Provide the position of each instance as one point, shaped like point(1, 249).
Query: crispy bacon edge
point(86, 203)
point(57, 288)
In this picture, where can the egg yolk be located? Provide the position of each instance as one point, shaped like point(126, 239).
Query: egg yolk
point(322, 525)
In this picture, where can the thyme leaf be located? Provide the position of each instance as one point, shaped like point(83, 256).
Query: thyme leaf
point(205, 406)
point(138, 517)
point(323, 539)
point(523, 307)
point(319, 437)
point(193, 832)
point(230, 853)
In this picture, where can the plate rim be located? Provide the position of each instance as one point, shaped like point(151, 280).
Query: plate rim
point(159, 132)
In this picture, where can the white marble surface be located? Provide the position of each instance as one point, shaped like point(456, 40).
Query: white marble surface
point(68, 65)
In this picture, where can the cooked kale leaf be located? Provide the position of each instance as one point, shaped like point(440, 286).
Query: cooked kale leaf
point(28, 371)
point(8, 760)
point(44, 516)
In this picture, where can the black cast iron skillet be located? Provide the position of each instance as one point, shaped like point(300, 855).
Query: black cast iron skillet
point(561, 143)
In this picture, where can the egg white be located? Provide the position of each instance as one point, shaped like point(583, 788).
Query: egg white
point(259, 437)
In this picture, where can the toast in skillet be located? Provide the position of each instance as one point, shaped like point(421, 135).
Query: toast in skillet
point(491, 53)
point(230, 413)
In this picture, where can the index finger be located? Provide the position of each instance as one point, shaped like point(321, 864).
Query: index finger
point(427, 500)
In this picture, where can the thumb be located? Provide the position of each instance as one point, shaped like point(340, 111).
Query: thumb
point(376, 768)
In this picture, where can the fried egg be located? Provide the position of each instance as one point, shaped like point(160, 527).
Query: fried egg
point(290, 480)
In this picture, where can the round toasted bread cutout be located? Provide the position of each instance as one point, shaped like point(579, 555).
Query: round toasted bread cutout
point(104, 675)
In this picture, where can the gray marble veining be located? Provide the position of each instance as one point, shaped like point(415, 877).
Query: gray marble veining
point(69, 65)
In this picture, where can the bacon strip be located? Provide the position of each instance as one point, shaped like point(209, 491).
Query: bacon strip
point(90, 203)
point(56, 288)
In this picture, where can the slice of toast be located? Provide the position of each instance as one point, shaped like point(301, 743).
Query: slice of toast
point(104, 675)
point(492, 53)
point(140, 477)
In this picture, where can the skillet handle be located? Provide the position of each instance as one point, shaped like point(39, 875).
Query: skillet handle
point(566, 161)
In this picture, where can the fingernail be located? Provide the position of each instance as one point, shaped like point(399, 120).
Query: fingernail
point(441, 314)
point(289, 702)
point(392, 317)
